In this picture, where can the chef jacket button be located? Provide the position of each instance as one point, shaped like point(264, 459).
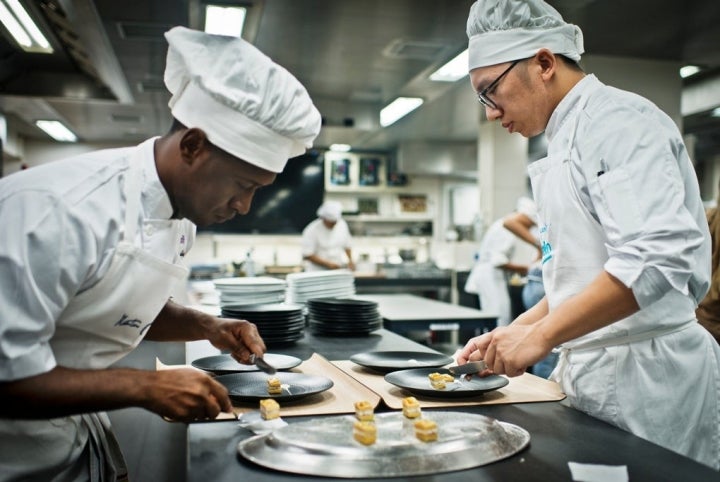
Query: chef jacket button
point(149, 230)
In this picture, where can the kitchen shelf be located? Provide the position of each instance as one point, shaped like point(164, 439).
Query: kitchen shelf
point(386, 219)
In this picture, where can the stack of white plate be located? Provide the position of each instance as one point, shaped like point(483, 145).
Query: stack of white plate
point(337, 283)
point(251, 290)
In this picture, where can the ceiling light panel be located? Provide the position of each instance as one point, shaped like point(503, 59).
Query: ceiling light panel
point(398, 109)
point(224, 20)
point(56, 130)
point(454, 70)
point(22, 28)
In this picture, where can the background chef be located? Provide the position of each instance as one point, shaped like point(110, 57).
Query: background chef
point(326, 241)
point(92, 250)
point(625, 242)
point(490, 274)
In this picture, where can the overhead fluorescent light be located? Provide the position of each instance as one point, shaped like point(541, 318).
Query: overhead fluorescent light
point(340, 147)
point(689, 70)
point(398, 108)
point(22, 28)
point(56, 130)
point(454, 70)
point(224, 20)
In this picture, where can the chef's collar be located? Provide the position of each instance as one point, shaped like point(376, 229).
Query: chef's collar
point(567, 105)
point(155, 200)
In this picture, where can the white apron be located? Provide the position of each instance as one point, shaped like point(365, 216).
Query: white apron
point(654, 373)
point(98, 327)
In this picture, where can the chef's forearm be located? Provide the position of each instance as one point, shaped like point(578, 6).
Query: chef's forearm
point(179, 323)
point(313, 258)
point(603, 302)
point(65, 391)
point(520, 225)
point(534, 314)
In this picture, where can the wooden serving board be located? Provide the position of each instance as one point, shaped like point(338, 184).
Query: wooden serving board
point(523, 389)
point(339, 399)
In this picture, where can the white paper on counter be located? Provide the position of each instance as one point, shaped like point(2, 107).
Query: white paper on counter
point(598, 473)
point(254, 422)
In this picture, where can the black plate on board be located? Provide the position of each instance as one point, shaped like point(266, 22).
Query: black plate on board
point(417, 382)
point(264, 308)
point(223, 364)
point(389, 361)
point(252, 386)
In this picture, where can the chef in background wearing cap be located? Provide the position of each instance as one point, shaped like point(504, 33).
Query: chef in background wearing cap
point(491, 272)
point(326, 241)
point(92, 250)
point(625, 243)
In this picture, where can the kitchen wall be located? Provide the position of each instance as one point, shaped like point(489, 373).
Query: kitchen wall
point(434, 168)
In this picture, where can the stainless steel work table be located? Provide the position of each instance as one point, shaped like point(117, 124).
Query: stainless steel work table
point(559, 434)
point(403, 313)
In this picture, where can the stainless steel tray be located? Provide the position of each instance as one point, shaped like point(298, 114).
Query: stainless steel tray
point(325, 446)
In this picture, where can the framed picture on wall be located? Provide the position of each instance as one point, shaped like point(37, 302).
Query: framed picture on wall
point(340, 172)
point(369, 171)
point(368, 206)
point(413, 203)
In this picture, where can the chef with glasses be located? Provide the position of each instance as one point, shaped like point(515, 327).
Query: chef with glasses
point(625, 243)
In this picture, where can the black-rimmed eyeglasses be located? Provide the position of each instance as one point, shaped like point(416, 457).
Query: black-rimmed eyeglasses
point(483, 94)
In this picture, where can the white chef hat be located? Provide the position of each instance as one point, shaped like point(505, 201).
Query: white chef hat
point(330, 210)
point(526, 206)
point(505, 30)
point(247, 105)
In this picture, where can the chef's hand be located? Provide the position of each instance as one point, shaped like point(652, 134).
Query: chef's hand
point(185, 395)
point(508, 350)
point(239, 337)
point(471, 353)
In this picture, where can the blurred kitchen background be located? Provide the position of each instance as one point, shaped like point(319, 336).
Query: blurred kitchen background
point(418, 192)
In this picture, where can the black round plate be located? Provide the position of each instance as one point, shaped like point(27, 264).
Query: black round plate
point(416, 381)
point(252, 386)
point(341, 302)
point(223, 364)
point(389, 361)
point(263, 308)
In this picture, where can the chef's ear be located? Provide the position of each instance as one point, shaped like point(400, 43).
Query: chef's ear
point(193, 143)
point(547, 62)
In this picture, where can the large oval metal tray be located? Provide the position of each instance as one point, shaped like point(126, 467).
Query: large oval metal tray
point(325, 446)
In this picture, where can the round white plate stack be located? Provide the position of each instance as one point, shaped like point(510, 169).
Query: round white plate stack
point(337, 283)
point(252, 290)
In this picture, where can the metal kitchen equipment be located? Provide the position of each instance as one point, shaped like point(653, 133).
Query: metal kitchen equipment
point(325, 446)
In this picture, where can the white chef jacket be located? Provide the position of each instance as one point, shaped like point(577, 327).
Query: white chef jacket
point(68, 217)
point(58, 239)
point(329, 244)
point(618, 193)
point(487, 279)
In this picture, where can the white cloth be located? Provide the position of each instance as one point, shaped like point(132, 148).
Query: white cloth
point(618, 193)
point(87, 285)
point(487, 279)
point(527, 207)
point(330, 210)
point(329, 244)
point(598, 473)
point(248, 105)
point(505, 30)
